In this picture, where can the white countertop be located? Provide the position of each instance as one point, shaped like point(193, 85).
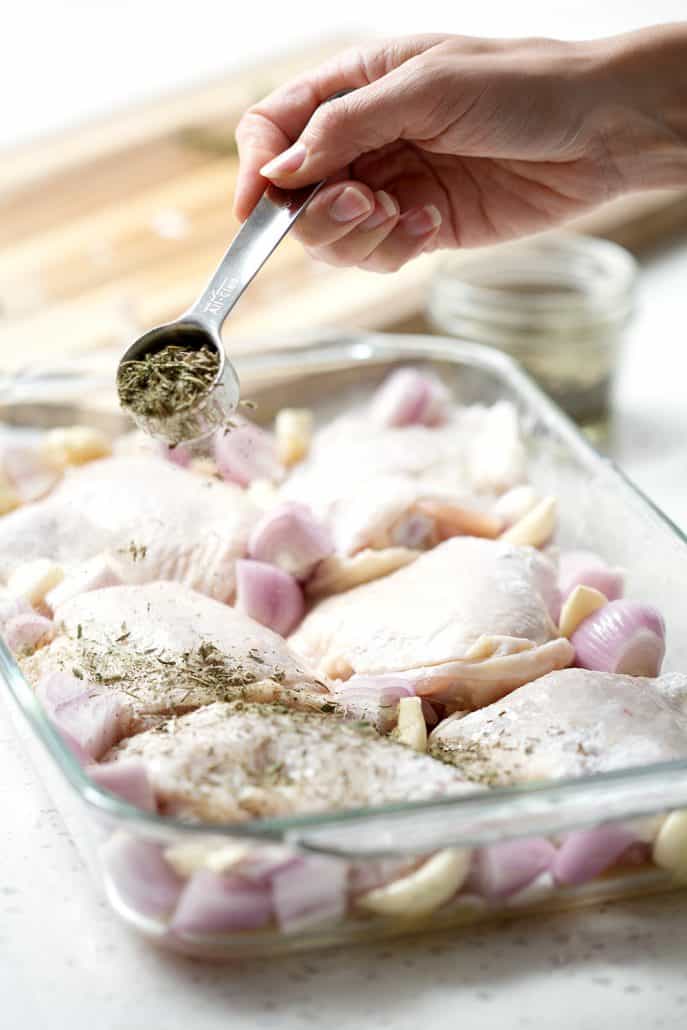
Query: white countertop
point(66, 962)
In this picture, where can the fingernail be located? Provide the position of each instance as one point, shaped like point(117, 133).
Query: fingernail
point(385, 208)
point(349, 205)
point(422, 221)
point(289, 161)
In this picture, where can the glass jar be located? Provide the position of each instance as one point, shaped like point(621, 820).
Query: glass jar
point(558, 304)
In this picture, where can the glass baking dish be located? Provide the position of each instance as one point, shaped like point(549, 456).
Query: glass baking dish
point(126, 848)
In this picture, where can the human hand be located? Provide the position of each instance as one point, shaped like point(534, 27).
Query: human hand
point(450, 141)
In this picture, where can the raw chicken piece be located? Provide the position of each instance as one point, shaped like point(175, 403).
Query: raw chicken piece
point(169, 650)
point(396, 511)
point(569, 723)
point(237, 761)
point(368, 481)
point(156, 521)
point(466, 622)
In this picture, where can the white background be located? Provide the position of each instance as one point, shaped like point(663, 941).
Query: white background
point(64, 961)
point(63, 61)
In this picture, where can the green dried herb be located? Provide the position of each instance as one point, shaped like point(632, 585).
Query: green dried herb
point(170, 382)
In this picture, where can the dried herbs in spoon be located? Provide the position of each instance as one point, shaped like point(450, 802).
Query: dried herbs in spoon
point(167, 383)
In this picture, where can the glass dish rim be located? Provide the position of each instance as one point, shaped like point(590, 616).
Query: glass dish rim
point(550, 807)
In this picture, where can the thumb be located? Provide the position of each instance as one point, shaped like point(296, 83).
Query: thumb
point(340, 131)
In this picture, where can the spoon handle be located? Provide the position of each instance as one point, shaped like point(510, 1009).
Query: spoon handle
point(265, 227)
point(263, 230)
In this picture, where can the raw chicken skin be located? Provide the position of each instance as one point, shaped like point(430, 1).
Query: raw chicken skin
point(569, 723)
point(466, 622)
point(169, 650)
point(362, 478)
point(237, 761)
point(155, 520)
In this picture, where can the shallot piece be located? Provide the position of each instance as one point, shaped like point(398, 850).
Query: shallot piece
point(244, 452)
point(220, 904)
point(127, 779)
point(408, 397)
point(24, 633)
point(268, 595)
point(309, 892)
point(90, 723)
point(261, 864)
point(139, 874)
point(12, 604)
point(585, 854)
point(500, 870)
point(584, 568)
point(624, 637)
point(94, 574)
point(290, 537)
point(179, 455)
point(373, 698)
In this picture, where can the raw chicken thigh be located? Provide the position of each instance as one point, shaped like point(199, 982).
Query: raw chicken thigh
point(466, 622)
point(569, 723)
point(380, 485)
point(156, 521)
point(237, 761)
point(168, 649)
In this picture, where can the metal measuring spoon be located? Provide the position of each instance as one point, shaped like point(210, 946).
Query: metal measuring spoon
point(260, 234)
point(263, 230)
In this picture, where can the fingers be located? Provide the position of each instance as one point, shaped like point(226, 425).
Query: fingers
point(357, 245)
point(340, 131)
point(334, 212)
point(381, 242)
point(271, 126)
point(268, 128)
point(417, 231)
point(258, 140)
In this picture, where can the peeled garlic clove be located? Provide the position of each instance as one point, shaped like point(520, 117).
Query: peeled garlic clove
point(35, 579)
point(293, 431)
point(423, 890)
point(580, 603)
point(335, 574)
point(515, 503)
point(190, 856)
point(75, 445)
point(536, 527)
point(411, 728)
point(670, 846)
point(451, 520)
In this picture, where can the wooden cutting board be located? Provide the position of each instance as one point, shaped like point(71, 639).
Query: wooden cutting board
point(115, 227)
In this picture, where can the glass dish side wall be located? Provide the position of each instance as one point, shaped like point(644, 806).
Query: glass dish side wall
point(594, 501)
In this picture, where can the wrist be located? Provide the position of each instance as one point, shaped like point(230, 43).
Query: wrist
point(641, 107)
